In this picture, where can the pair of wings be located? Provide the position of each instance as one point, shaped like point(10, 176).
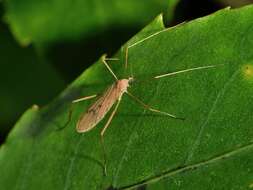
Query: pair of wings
point(99, 109)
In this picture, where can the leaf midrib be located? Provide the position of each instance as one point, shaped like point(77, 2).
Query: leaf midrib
point(197, 165)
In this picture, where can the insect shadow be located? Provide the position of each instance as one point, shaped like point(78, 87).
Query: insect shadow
point(47, 114)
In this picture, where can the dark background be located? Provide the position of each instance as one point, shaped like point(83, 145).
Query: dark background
point(21, 94)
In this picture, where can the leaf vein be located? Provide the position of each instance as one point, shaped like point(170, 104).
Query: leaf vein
point(172, 172)
point(71, 165)
point(203, 126)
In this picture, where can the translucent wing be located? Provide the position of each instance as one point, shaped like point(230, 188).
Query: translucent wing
point(98, 110)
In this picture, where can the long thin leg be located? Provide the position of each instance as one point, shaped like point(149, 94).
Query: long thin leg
point(154, 34)
point(71, 108)
point(126, 57)
point(126, 61)
point(84, 98)
point(186, 70)
point(103, 131)
point(150, 108)
point(108, 67)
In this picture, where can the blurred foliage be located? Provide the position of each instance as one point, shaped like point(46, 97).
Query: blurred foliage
point(43, 21)
point(25, 79)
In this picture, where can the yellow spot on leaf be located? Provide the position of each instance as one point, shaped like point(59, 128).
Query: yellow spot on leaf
point(251, 186)
point(248, 72)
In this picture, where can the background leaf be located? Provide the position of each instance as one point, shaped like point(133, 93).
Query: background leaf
point(24, 80)
point(214, 142)
point(50, 21)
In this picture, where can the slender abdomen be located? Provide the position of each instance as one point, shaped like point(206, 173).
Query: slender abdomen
point(100, 108)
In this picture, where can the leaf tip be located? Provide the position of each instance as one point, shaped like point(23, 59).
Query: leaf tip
point(35, 107)
point(227, 8)
point(159, 20)
point(23, 40)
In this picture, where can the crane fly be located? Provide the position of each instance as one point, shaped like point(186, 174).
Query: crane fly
point(112, 95)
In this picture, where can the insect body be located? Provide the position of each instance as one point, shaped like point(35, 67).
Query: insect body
point(99, 109)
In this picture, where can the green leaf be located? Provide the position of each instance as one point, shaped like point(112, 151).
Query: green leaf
point(44, 21)
point(211, 149)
